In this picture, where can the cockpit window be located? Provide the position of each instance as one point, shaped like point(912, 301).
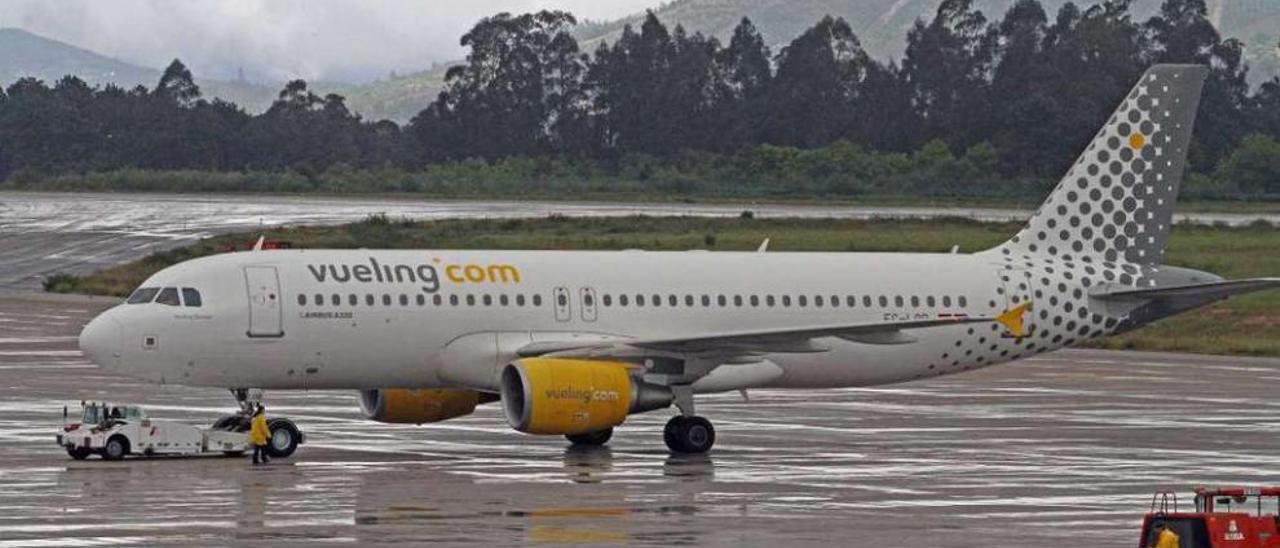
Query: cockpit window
point(169, 296)
point(191, 297)
point(143, 295)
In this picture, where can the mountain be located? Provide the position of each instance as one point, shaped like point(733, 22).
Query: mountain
point(30, 55)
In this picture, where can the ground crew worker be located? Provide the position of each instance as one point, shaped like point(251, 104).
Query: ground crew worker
point(259, 433)
point(1167, 538)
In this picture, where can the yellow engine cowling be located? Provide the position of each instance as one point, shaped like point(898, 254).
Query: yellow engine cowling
point(563, 396)
point(417, 406)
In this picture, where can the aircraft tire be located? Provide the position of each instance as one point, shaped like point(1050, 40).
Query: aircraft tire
point(78, 453)
point(591, 439)
point(284, 440)
point(690, 435)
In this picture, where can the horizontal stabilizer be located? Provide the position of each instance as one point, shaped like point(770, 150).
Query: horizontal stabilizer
point(1207, 290)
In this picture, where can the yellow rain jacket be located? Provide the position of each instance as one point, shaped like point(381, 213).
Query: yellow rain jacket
point(259, 433)
point(1167, 539)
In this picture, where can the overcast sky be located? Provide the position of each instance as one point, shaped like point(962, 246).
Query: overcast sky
point(344, 40)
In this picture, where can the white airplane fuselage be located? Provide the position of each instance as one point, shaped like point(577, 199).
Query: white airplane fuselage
point(390, 344)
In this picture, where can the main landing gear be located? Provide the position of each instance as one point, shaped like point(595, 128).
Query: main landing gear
point(687, 432)
point(285, 436)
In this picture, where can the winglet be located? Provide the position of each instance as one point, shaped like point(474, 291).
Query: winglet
point(1011, 319)
point(764, 246)
point(261, 239)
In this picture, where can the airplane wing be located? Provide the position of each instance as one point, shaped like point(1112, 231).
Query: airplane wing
point(784, 340)
point(1209, 290)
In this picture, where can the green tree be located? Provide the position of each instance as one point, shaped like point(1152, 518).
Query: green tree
point(948, 62)
point(1253, 167)
point(177, 85)
point(819, 81)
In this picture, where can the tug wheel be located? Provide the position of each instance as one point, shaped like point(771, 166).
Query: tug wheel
point(79, 453)
point(116, 448)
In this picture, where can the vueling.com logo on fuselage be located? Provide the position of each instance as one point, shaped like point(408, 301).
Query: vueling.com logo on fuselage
point(585, 395)
point(425, 274)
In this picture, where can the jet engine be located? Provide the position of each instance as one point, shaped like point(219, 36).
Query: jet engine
point(417, 406)
point(564, 396)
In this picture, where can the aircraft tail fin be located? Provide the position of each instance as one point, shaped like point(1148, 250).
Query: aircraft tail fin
point(1116, 202)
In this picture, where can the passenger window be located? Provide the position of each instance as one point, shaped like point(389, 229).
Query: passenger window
point(768, 299)
point(786, 300)
point(657, 300)
point(537, 300)
point(487, 299)
point(915, 301)
point(866, 301)
point(352, 299)
point(755, 300)
point(143, 295)
point(688, 300)
point(673, 300)
point(191, 297)
point(368, 299)
point(963, 301)
point(802, 300)
point(817, 301)
point(503, 300)
point(437, 299)
point(946, 300)
point(737, 300)
point(622, 300)
point(168, 296)
point(850, 301)
point(520, 299)
point(471, 300)
point(639, 300)
point(884, 301)
point(336, 299)
point(386, 299)
point(319, 299)
point(930, 301)
point(404, 300)
point(587, 300)
point(835, 301)
point(720, 300)
point(422, 300)
point(453, 300)
point(302, 300)
point(706, 300)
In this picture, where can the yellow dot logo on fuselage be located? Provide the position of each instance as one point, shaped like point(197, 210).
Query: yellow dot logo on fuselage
point(1137, 141)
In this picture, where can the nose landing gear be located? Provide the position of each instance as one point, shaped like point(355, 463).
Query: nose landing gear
point(285, 435)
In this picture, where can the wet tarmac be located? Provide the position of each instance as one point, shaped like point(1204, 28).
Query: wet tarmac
point(1061, 450)
point(45, 233)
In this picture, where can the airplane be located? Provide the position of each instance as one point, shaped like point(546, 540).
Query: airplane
point(573, 342)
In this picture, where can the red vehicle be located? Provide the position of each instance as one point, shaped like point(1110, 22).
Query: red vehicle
point(1234, 517)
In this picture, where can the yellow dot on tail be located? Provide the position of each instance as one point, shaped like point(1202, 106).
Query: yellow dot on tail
point(1137, 141)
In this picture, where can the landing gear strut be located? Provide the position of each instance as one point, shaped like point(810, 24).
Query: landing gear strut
point(285, 436)
point(687, 432)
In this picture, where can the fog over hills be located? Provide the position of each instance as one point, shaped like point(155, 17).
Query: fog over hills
point(880, 24)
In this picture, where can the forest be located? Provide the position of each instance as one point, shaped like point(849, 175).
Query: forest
point(976, 106)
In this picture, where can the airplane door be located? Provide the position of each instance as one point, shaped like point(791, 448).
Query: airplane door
point(561, 302)
point(266, 315)
point(587, 300)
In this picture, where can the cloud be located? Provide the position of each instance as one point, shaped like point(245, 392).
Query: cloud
point(340, 40)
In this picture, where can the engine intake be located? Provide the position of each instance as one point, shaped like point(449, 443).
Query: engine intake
point(563, 396)
point(418, 406)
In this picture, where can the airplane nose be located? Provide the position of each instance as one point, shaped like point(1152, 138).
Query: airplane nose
point(102, 339)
